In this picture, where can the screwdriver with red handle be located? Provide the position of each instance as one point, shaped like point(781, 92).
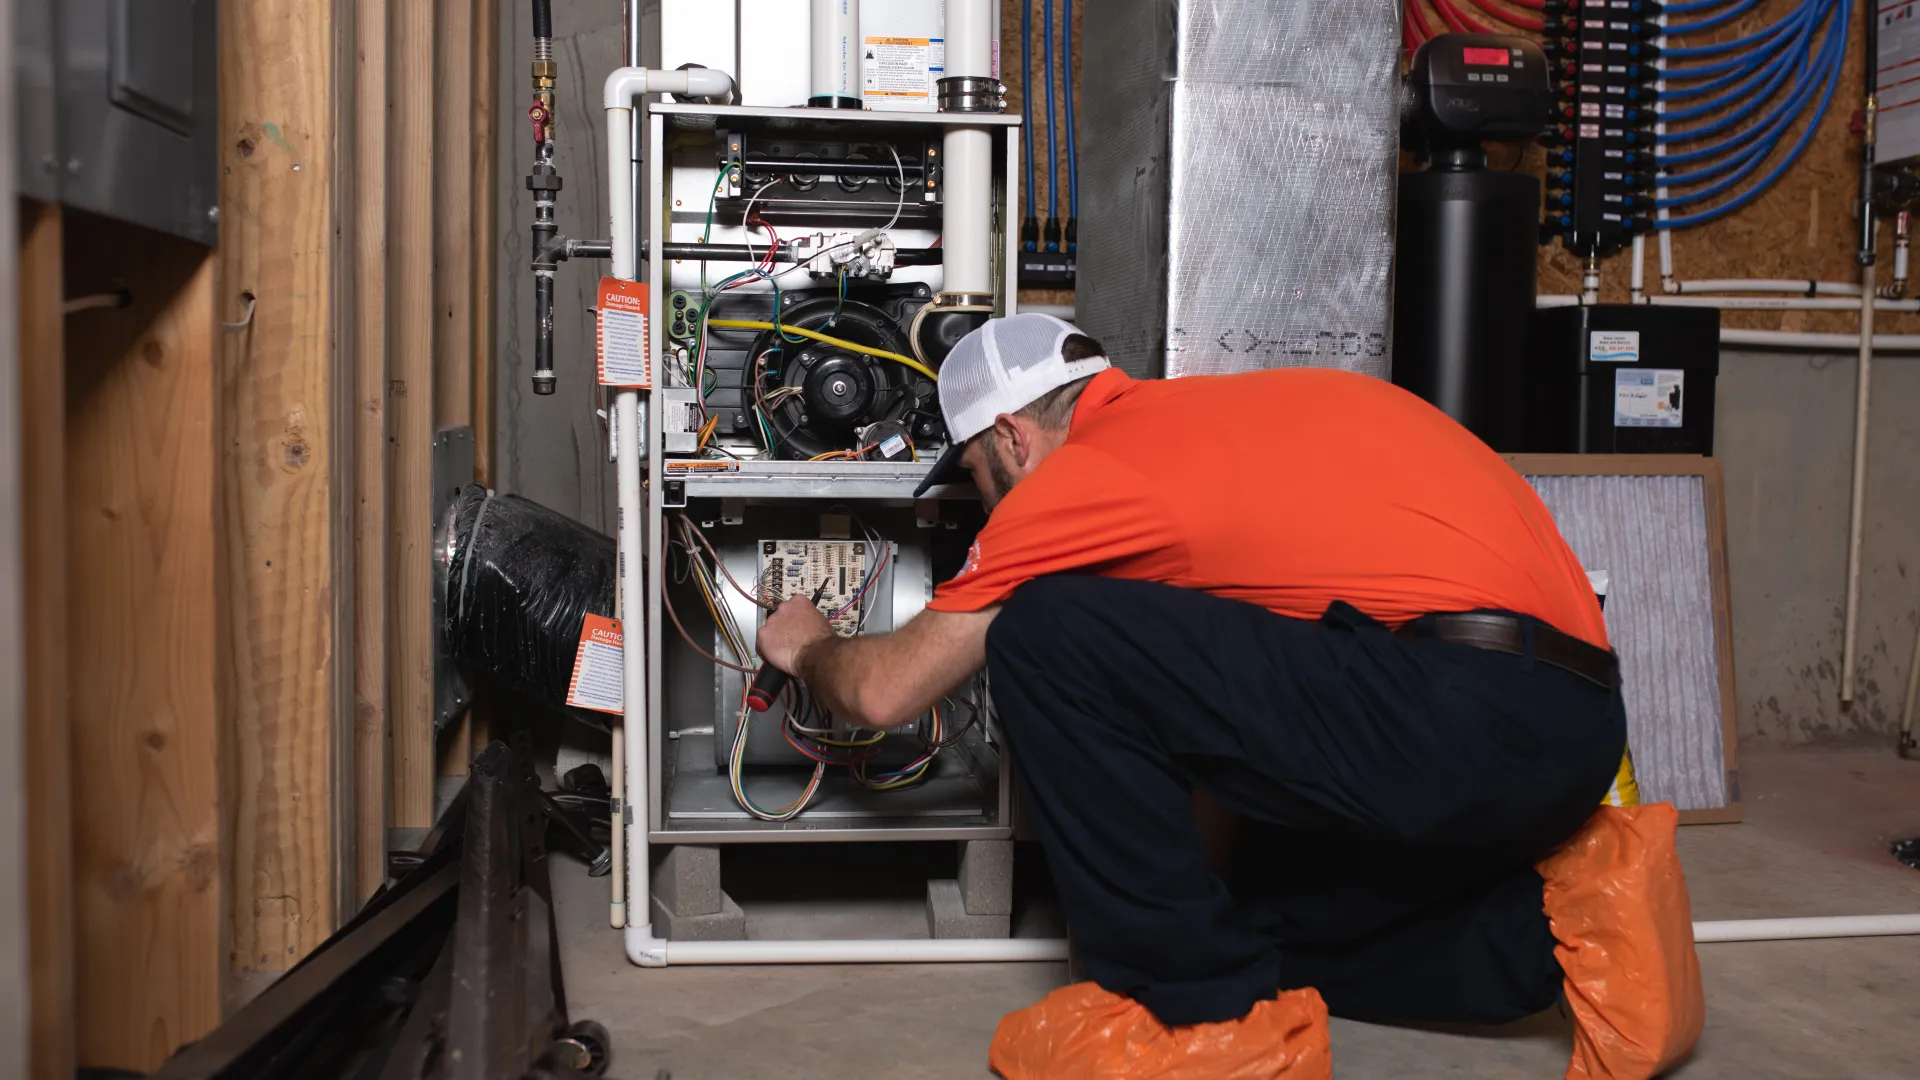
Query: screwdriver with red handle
point(770, 682)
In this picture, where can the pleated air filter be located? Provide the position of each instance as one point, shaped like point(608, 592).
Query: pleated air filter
point(1660, 539)
point(1237, 171)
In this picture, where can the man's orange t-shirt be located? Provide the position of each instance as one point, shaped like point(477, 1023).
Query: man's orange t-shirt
point(1290, 488)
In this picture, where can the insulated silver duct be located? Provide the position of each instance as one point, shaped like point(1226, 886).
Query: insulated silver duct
point(1237, 183)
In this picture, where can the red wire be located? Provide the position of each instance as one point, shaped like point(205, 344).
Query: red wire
point(1418, 20)
point(773, 243)
point(1520, 21)
point(1449, 16)
point(1458, 20)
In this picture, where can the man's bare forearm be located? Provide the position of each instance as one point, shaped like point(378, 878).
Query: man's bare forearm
point(885, 680)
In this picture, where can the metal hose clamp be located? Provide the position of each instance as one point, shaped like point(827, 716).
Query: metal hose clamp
point(972, 94)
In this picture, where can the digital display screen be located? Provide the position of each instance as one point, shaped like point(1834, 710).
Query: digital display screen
point(1485, 57)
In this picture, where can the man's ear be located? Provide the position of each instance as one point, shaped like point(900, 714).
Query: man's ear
point(1013, 436)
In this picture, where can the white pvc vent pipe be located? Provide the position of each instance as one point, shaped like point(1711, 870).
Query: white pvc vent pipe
point(967, 209)
point(836, 54)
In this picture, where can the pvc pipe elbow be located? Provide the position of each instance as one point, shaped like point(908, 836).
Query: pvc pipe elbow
point(643, 948)
point(625, 84)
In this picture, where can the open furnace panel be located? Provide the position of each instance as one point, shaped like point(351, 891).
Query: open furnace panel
point(802, 250)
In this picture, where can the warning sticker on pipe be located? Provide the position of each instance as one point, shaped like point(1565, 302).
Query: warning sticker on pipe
point(901, 70)
point(1647, 397)
point(621, 348)
point(598, 677)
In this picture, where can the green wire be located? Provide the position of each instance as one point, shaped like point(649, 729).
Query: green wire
point(706, 234)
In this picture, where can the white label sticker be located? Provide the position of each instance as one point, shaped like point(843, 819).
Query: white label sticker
point(1613, 347)
point(1647, 397)
point(893, 446)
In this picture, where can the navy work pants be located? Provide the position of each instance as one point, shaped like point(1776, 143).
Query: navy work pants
point(1393, 796)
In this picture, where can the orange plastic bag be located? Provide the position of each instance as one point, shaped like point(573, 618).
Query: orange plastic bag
point(1082, 1032)
point(1618, 904)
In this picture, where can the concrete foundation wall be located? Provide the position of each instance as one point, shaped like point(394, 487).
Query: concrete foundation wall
point(553, 450)
point(1785, 431)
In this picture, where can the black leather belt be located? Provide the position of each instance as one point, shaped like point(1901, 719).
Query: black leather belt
point(1505, 634)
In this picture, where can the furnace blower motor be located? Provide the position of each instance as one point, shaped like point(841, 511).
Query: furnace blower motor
point(829, 399)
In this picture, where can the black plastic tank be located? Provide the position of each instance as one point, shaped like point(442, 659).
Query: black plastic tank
point(1464, 283)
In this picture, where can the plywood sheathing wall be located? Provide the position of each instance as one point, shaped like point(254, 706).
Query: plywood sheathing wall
point(1017, 83)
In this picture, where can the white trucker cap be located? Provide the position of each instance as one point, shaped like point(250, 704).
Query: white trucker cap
point(1001, 367)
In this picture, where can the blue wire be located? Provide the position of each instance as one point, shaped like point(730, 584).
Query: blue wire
point(1745, 137)
point(1758, 140)
point(1712, 21)
point(1026, 99)
point(1745, 109)
point(1775, 69)
point(1066, 84)
point(1834, 58)
point(1765, 182)
point(1738, 65)
point(1745, 142)
point(1736, 45)
point(1767, 129)
point(1053, 167)
point(1692, 6)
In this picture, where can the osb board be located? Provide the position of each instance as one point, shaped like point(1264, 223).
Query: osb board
point(1802, 227)
point(1017, 83)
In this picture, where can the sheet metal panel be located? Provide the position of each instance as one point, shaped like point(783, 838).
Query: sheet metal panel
point(1238, 184)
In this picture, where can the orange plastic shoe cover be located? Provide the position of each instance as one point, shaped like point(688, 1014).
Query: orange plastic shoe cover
point(1618, 904)
point(1081, 1032)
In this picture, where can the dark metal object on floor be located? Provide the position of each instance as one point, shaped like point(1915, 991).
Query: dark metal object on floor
point(451, 973)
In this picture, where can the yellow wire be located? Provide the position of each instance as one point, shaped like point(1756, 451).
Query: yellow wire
point(752, 324)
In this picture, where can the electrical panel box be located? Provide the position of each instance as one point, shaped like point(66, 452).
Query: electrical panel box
point(1897, 138)
point(137, 107)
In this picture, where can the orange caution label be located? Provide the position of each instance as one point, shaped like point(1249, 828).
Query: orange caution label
point(622, 349)
point(598, 676)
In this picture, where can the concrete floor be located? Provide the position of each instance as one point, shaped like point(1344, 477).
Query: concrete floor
point(1818, 822)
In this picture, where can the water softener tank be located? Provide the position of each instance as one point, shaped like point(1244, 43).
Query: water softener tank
point(1464, 283)
point(1468, 237)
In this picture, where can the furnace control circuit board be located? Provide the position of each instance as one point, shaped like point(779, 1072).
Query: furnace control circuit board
point(790, 568)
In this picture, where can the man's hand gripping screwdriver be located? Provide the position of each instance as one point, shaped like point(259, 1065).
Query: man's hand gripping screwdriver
point(770, 682)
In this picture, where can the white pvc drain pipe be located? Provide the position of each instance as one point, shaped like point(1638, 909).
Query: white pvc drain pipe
point(1030, 950)
point(1833, 926)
